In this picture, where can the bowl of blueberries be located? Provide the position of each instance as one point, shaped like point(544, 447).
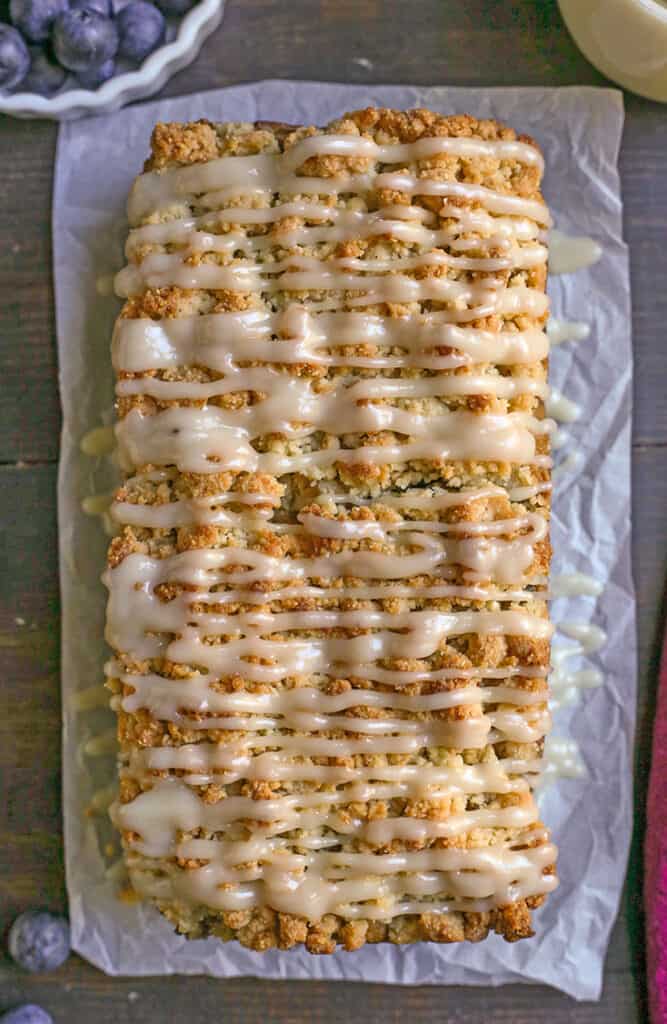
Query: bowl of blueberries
point(67, 58)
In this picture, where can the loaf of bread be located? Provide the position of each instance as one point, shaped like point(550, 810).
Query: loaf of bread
point(328, 589)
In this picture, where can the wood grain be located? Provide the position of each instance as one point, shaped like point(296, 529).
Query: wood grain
point(462, 42)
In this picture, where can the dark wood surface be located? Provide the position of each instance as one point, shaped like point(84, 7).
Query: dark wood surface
point(460, 42)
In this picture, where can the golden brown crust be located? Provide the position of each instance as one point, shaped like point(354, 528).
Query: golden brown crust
point(264, 929)
point(185, 144)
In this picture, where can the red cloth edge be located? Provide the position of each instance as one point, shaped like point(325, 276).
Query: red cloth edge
point(655, 857)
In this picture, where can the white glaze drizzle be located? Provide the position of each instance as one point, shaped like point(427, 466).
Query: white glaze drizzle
point(560, 408)
point(306, 709)
point(218, 341)
point(138, 622)
point(575, 584)
point(98, 441)
point(562, 760)
point(568, 253)
point(517, 236)
point(222, 619)
point(562, 757)
point(295, 395)
point(572, 463)
point(204, 440)
point(320, 882)
point(204, 763)
point(560, 331)
point(566, 681)
point(309, 273)
point(217, 180)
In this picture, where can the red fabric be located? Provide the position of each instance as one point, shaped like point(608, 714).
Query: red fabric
point(655, 859)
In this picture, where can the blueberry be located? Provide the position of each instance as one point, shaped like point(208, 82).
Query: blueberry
point(141, 29)
point(27, 1014)
point(84, 39)
point(104, 7)
point(45, 76)
point(95, 77)
point(175, 6)
point(34, 18)
point(14, 57)
point(39, 940)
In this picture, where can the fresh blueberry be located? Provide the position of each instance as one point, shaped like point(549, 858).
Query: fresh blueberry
point(95, 77)
point(14, 57)
point(39, 940)
point(27, 1014)
point(34, 18)
point(45, 76)
point(84, 39)
point(104, 7)
point(177, 7)
point(141, 29)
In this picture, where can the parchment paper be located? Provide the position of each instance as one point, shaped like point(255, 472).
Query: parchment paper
point(579, 130)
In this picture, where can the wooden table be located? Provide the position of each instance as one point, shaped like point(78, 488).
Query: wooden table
point(458, 42)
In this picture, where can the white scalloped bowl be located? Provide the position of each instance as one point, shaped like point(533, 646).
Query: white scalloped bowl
point(194, 28)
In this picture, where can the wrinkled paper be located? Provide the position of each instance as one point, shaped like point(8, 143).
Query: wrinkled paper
point(579, 131)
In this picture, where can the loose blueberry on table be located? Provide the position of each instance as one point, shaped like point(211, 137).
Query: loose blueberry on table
point(27, 1014)
point(39, 941)
point(85, 37)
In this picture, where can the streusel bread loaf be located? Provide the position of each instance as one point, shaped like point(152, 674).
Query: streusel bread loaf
point(327, 594)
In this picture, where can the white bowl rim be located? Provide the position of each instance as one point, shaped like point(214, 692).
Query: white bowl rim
point(93, 99)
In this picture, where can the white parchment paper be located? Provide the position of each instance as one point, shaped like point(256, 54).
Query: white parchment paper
point(579, 130)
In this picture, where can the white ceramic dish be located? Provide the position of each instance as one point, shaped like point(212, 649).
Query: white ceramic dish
point(195, 27)
point(624, 39)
